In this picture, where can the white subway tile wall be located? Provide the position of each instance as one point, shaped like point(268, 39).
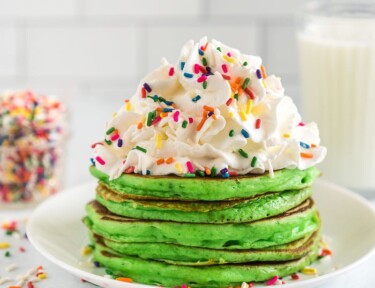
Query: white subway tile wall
point(92, 53)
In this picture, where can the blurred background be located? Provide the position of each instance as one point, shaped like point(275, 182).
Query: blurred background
point(92, 53)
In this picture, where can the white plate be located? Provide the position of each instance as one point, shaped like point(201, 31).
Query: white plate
point(56, 231)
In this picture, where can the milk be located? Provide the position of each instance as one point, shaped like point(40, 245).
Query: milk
point(337, 58)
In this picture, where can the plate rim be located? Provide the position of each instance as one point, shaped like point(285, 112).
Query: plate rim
point(84, 274)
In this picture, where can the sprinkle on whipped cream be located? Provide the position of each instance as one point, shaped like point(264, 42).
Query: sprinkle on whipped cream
point(214, 110)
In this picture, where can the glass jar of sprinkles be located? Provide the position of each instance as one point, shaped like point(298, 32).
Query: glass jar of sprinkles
point(32, 133)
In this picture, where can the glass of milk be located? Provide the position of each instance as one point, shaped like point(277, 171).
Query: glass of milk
point(337, 60)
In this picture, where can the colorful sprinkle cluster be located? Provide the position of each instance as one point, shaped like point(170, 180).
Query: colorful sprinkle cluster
point(30, 277)
point(31, 135)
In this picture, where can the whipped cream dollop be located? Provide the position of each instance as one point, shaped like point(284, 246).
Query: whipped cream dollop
point(214, 112)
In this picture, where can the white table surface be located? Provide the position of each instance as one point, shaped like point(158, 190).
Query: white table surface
point(360, 277)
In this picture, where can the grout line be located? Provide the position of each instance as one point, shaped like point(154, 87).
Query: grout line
point(176, 21)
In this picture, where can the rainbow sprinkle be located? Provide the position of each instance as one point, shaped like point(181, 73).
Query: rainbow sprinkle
point(100, 160)
point(144, 150)
point(188, 75)
point(171, 71)
point(224, 67)
point(196, 98)
point(243, 153)
point(175, 116)
point(253, 161)
point(147, 87)
point(190, 167)
point(110, 130)
point(245, 83)
point(259, 74)
point(245, 133)
point(304, 145)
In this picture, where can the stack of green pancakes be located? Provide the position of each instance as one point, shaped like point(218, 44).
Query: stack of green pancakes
point(204, 232)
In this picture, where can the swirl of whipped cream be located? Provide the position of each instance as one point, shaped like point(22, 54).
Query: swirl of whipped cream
point(216, 109)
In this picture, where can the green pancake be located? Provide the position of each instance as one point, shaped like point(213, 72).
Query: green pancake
point(196, 256)
point(277, 230)
point(207, 189)
point(234, 211)
point(167, 275)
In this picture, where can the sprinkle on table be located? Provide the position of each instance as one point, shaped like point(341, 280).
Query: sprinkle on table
point(4, 245)
point(231, 133)
point(182, 65)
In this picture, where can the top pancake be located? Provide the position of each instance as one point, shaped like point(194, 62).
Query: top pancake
point(207, 188)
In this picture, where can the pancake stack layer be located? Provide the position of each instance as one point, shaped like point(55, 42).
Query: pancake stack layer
point(204, 232)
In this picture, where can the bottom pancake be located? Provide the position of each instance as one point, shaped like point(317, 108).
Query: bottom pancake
point(169, 275)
